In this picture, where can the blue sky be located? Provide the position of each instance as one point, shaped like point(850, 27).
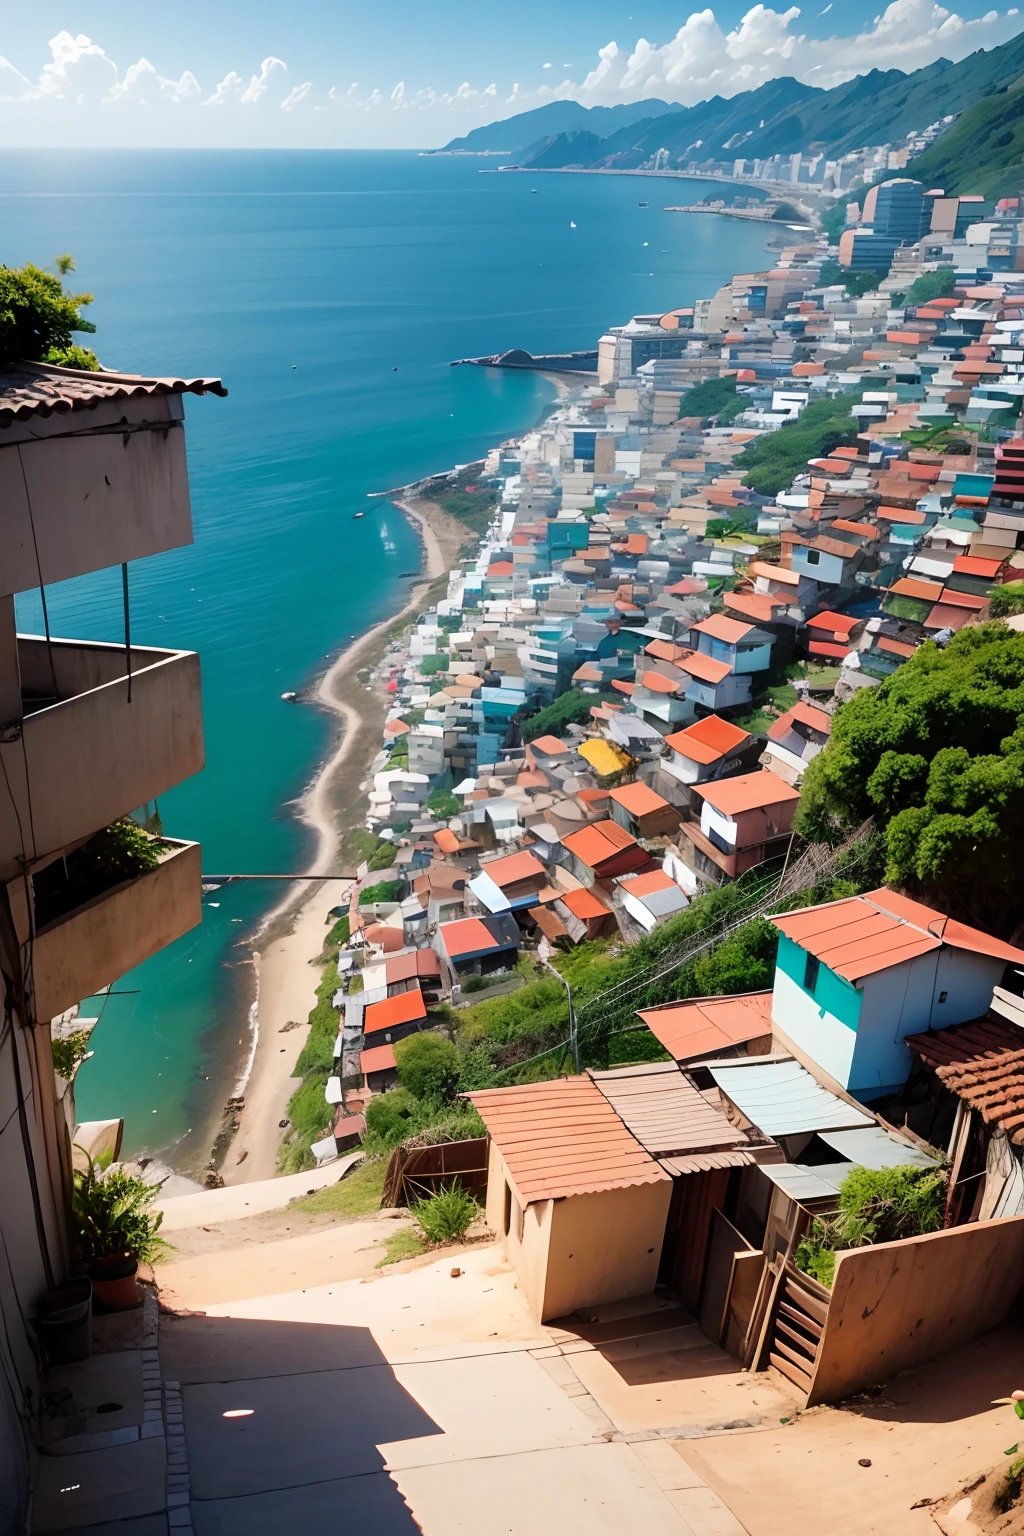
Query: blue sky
point(398, 73)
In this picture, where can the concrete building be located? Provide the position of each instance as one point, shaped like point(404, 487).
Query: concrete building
point(92, 475)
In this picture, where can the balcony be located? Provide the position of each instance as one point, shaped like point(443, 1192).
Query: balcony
point(85, 755)
point(90, 946)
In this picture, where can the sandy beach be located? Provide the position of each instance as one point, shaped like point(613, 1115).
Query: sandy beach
point(293, 933)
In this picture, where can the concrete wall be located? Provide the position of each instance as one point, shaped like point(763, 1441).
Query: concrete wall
point(582, 1251)
point(93, 500)
point(78, 954)
point(605, 1247)
point(896, 1305)
point(94, 756)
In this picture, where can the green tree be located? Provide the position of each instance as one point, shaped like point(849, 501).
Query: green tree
point(715, 397)
point(428, 1065)
point(931, 285)
point(936, 756)
point(773, 461)
point(572, 707)
point(37, 317)
point(1007, 599)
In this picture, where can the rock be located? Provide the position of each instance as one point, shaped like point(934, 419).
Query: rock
point(456, 1272)
point(865, 1461)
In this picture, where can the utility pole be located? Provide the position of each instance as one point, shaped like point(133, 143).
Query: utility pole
point(574, 1044)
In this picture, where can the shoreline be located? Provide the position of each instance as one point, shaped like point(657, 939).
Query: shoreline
point(291, 935)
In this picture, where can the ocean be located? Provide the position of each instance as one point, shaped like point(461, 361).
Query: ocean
point(330, 291)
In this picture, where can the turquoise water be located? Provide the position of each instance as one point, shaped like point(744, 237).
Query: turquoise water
point(305, 280)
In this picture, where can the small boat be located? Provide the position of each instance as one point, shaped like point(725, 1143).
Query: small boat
point(289, 698)
point(533, 191)
point(572, 223)
point(357, 514)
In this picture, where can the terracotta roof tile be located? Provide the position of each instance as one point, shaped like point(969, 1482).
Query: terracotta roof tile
point(563, 1138)
point(978, 1040)
point(403, 1008)
point(40, 389)
point(380, 1058)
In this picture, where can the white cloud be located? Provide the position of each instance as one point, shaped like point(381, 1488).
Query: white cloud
point(490, 90)
point(297, 94)
point(229, 89)
point(142, 85)
point(14, 86)
point(398, 94)
point(78, 68)
point(257, 86)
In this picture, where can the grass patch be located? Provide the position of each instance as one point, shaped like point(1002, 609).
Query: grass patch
point(406, 1243)
point(358, 1194)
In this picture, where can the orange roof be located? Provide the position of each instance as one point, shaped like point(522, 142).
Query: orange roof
point(501, 568)
point(664, 650)
point(644, 885)
point(828, 648)
point(657, 683)
point(403, 1008)
point(446, 840)
point(705, 668)
point(781, 573)
point(563, 1138)
point(516, 866)
point(396, 728)
point(756, 605)
point(834, 623)
point(705, 1025)
point(910, 586)
point(636, 544)
point(389, 939)
point(894, 647)
point(467, 935)
point(865, 934)
point(639, 799)
point(970, 565)
point(549, 745)
point(720, 628)
point(747, 792)
point(907, 515)
point(963, 599)
point(622, 686)
point(602, 840)
point(584, 903)
point(806, 714)
point(380, 1058)
point(707, 740)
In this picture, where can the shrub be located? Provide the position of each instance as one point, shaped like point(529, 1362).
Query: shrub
point(339, 934)
point(876, 1205)
point(446, 1216)
point(112, 1215)
point(428, 1066)
point(1007, 599)
point(384, 890)
point(37, 317)
point(442, 803)
point(69, 1053)
point(390, 1116)
point(384, 857)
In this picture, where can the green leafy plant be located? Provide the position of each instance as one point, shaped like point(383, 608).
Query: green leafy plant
point(112, 1215)
point(446, 1216)
point(69, 1053)
point(773, 461)
point(1007, 599)
point(406, 1243)
point(383, 891)
point(37, 317)
point(442, 803)
point(876, 1205)
point(122, 851)
point(428, 1066)
point(384, 856)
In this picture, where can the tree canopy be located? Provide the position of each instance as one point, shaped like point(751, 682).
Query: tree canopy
point(428, 1066)
point(773, 461)
point(936, 756)
point(38, 319)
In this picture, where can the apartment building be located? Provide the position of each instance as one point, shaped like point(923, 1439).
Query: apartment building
point(92, 475)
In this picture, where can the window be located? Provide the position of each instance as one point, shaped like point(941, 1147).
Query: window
point(508, 1209)
point(811, 969)
point(814, 557)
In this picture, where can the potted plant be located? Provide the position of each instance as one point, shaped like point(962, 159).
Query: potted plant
point(116, 1231)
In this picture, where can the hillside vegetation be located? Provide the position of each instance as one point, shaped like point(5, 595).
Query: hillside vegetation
point(982, 152)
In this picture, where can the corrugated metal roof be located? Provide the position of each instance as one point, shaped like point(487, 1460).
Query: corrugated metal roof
point(874, 1147)
point(664, 1111)
point(704, 1162)
point(563, 1138)
point(403, 1008)
point(40, 389)
point(707, 1024)
point(802, 1183)
point(782, 1099)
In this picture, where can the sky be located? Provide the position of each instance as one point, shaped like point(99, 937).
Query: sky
point(402, 74)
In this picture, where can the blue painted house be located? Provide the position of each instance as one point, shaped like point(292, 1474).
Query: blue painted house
point(853, 978)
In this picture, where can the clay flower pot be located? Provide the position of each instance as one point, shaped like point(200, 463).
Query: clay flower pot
point(115, 1282)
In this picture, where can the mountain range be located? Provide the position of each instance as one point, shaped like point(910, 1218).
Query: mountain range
point(780, 117)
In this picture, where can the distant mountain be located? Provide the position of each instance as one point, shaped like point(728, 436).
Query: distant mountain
point(983, 151)
point(517, 133)
point(780, 117)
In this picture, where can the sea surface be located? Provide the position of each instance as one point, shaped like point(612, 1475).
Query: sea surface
point(330, 291)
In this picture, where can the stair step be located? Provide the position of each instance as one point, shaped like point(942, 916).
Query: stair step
point(798, 1377)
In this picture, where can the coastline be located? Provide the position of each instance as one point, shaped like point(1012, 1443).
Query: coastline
point(292, 934)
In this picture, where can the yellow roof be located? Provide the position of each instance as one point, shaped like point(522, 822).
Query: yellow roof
point(603, 757)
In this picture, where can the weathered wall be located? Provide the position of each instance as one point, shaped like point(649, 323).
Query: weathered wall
point(529, 1230)
point(896, 1305)
point(605, 1247)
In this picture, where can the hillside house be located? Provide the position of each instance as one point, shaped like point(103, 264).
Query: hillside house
point(642, 812)
point(711, 748)
point(651, 898)
point(477, 946)
point(713, 1026)
point(510, 884)
point(743, 821)
point(602, 851)
point(794, 739)
point(855, 977)
point(742, 647)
